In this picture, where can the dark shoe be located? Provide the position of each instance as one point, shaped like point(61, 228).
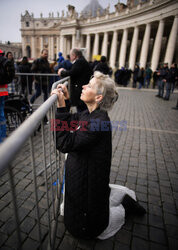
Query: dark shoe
point(158, 96)
point(131, 206)
point(166, 99)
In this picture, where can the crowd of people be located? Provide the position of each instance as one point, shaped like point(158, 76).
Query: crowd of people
point(80, 70)
point(164, 78)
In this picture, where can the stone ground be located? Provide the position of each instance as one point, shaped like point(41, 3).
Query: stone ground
point(145, 159)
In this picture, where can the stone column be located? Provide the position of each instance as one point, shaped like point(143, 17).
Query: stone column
point(61, 43)
point(157, 46)
point(24, 53)
point(172, 42)
point(41, 43)
point(123, 49)
point(113, 50)
point(104, 50)
point(96, 44)
point(133, 49)
point(73, 41)
point(145, 46)
point(52, 48)
point(88, 47)
point(57, 45)
point(33, 52)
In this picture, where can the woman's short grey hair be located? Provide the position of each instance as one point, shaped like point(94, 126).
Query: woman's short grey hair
point(107, 88)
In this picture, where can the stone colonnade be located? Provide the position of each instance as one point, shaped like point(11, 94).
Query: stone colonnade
point(121, 47)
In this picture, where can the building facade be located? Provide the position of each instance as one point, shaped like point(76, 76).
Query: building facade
point(15, 48)
point(142, 31)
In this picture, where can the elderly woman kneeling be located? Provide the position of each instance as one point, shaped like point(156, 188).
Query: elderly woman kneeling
point(87, 138)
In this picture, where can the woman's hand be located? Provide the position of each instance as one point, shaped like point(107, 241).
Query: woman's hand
point(60, 99)
point(64, 90)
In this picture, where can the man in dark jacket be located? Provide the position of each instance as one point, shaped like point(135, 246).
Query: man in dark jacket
point(80, 74)
point(41, 65)
point(162, 79)
point(26, 81)
point(102, 66)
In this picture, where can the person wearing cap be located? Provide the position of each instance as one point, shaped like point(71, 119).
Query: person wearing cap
point(3, 93)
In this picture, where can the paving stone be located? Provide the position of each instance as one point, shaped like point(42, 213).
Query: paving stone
point(34, 234)
point(141, 197)
point(173, 243)
point(30, 244)
point(13, 240)
point(67, 243)
point(155, 209)
point(140, 231)
point(120, 246)
point(27, 225)
point(139, 244)
point(155, 246)
point(156, 221)
point(104, 244)
point(156, 200)
point(86, 244)
point(169, 208)
point(157, 235)
point(5, 214)
point(170, 219)
point(123, 236)
point(3, 238)
point(8, 227)
point(172, 231)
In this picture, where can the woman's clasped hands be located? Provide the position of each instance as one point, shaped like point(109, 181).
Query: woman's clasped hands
point(62, 94)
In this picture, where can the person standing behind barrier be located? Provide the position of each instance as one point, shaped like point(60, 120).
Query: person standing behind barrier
point(92, 207)
point(140, 78)
point(80, 74)
point(155, 78)
point(3, 93)
point(162, 74)
point(25, 67)
point(148, 75)
point(169, 79)
point(102, 66)
point(60, 58)
point(41, 65)
point(66, 64)
point(135, 75)
point(174, 76)
point(7, 73)
point(11, 85)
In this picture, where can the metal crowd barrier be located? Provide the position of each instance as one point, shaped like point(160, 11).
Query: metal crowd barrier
point(25, 83)
point(34, 179)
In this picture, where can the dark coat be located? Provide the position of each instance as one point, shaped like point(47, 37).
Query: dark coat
point(41, 65)
point(86, 209)
point(80, 74)
point(103, 68)
point(25, 68)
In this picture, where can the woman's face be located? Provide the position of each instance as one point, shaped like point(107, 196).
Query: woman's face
point(89, 94)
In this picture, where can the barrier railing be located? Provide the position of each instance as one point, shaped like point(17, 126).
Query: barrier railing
point(34, 178)
point(26, 83)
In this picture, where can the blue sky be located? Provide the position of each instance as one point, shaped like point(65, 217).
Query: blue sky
point(11, 11)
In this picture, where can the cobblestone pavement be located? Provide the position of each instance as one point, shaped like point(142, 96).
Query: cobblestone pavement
point(145, 159)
